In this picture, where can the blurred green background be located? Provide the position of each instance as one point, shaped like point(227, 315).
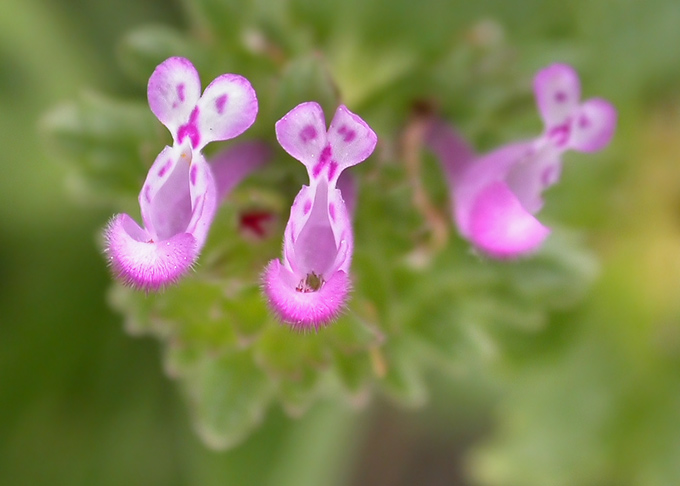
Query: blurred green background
point(82, 403)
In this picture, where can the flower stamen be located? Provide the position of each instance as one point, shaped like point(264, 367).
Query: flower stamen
point(311, 283)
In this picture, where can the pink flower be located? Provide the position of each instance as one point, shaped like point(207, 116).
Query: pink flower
point(309, 287)
point(226, 109)
point(495, 196)
point(180, 195)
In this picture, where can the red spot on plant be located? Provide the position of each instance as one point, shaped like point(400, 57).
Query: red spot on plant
point(256, 222)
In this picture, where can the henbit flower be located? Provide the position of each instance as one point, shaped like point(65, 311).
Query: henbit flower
point(309, 288)
point(495, 196)
point(178, 202)
point(180, 195)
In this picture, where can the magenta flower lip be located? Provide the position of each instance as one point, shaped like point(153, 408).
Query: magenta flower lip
point(181, 192)
point(178, 201)
point(310, 286)
point(305, 309)
point(495, 196)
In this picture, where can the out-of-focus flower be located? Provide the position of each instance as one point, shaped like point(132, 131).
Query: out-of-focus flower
point(495, 196)
point(309, 287)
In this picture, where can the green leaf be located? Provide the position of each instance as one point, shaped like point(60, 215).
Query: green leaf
point(286, 353)
point(306, 79)
point(403, 379)
point(137, 308)
point(248, 313)
point(299, 394)
point(355, 373)
point(110, 143)
point(228, 395)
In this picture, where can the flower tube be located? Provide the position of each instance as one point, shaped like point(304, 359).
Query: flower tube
point(309, 287)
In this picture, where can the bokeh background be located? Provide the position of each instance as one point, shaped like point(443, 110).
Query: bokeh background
point(593, 400)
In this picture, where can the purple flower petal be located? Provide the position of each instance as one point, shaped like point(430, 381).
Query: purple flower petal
point(453, 151)
point(348, 189)
point(320, 232)
point(178, 202)
point(481, 173)
point(203, 195)
point(495, 196)
point(227, 108)
point(173, 91)
point(179, 195)
point(310, 286)
point(165, 198)
point(350, 138)
point(593, 126)
point(558, 93)
point(531, 174)
point(501, 227)
point(235, 163)
point(302, 133)
point(142, 262)
point(302, 309)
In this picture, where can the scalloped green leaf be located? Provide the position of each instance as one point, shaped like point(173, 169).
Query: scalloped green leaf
point(110, 144)
point(403, 379)
point(228, 396)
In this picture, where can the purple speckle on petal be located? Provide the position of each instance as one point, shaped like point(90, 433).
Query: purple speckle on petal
point(332, 169)
point(165, 168)
point(190, 130)
point(583, 121)
point(323, 159)
point(347, 133)
point(559, 135)
point(220, 102)
point(331, 211)
point(307, 134)
point(560, 96)
point(180, 92)
point(147, 193)
point(325, 154)
point(308, 207)
point(192, 174)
